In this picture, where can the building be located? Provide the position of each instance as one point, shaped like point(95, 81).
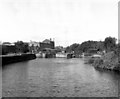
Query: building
point(47, 47)
point(8, 44)
point(7, 48)
point(33, 43)
point(34, 46)
point(47, 44)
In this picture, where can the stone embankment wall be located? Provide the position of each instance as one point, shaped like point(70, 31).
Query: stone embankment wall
point(16, 58)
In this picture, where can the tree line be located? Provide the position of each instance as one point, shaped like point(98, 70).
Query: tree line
point(109, 44)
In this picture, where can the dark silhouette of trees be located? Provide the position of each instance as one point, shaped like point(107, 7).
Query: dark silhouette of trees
point(85, 46)
point(72, 48)
point(88, 45)
point(21, 47)
point(110, 44)
point(118, 50)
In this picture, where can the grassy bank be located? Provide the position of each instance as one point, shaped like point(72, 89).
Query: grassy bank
point(108, 61)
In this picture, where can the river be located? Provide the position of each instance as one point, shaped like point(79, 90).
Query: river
point(58, 77)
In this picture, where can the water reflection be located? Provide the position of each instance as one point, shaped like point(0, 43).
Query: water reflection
point(58, 77)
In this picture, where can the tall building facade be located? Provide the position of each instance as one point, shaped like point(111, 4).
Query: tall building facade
point(47, 44)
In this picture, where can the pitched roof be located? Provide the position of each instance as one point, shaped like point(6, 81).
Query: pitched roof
point(46, 41)
point(6, 43)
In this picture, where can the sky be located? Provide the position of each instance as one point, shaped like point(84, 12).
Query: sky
point(65, 21)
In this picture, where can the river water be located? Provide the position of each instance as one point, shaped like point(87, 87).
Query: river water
point(58, 77)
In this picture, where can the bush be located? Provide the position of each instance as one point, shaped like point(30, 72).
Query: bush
point(98, 62)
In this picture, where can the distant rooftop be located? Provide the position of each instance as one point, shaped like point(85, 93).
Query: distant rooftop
point(7, 43)
point(33, 43)
point(46, 41)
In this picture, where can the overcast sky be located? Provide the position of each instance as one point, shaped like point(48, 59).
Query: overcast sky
point(67, 21)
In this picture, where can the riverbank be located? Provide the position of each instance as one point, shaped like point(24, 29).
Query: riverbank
point(109, 61)
point(8, 59)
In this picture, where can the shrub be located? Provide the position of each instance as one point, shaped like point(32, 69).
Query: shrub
point(98, 62)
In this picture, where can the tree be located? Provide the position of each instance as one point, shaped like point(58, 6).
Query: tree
point(72, 48)
point(118, 50)
point(85, 46)
point(21, 47)
point(110, 44)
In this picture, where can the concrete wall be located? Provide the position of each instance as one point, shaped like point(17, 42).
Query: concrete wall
point(16, 58)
